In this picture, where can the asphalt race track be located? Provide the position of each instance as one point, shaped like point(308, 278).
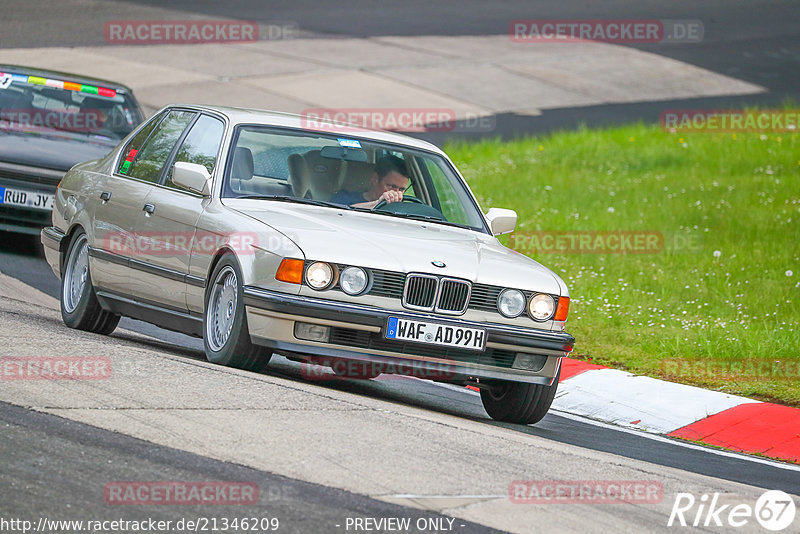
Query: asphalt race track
point(63, 443)
point(325, 452)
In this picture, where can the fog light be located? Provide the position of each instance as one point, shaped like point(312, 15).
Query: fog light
point(312, 332)
point(530, 362)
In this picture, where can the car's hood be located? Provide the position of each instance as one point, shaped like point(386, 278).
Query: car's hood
point(57, 151)
point(401, 245)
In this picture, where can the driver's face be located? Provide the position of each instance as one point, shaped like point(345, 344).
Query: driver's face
point(393, 181)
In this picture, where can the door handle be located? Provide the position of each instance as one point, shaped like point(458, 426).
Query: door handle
point(149, 209)
point(105, 196)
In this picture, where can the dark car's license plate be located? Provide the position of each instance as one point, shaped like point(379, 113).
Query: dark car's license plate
point(26, 199)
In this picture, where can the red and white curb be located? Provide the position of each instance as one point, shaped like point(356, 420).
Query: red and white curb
point(677, 410)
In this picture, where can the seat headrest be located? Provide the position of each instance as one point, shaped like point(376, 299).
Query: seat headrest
point(299, 177)
point(314, 176)
point(242, 168)
point(356, 177)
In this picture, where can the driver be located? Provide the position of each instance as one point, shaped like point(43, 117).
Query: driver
point(388, 182)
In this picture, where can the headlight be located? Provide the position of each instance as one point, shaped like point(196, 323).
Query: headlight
point(511, 302)
point(541, 307)
point(353, 280)
point(319, 275)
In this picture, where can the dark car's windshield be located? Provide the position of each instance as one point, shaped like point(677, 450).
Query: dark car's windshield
point(40, 105)
point(334, 169)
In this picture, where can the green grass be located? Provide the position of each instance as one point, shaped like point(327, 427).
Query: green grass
point(731, 297)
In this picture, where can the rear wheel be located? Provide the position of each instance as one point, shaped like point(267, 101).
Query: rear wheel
point(225, 333)
point(80, 308)
point(519, 402)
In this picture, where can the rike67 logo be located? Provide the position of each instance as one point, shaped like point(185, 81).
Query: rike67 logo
point(774, 510)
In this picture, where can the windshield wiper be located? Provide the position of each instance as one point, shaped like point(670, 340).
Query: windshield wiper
point(429, 218)
point(418, 217)
point(284, 198)
point(415, 216)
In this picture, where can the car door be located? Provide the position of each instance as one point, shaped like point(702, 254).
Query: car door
point(118, 199)
point(147, 167)
point(171, 227)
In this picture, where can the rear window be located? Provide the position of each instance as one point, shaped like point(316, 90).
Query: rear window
point(36, 104)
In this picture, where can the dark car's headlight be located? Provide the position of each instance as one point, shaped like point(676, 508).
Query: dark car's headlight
point(541, 307)
point(511, 302)
point(319, 275)
point(353, 280)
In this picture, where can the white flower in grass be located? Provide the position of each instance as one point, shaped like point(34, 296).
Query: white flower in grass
point(610, 209)
point(789, 273)
point(717, 253)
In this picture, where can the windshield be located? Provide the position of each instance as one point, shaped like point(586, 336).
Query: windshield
point(42, 105)
point(333, 170)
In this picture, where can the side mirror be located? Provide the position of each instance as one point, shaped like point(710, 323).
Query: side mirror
point(501, 221)
point(193, 177)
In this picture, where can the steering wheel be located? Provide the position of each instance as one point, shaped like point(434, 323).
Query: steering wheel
point(383, 202)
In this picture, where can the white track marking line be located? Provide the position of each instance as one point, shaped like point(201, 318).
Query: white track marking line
point(675, 441)
point(654, 437)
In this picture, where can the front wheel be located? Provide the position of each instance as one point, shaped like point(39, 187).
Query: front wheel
point(80, 308)
point(225, 333)
point(519, 402)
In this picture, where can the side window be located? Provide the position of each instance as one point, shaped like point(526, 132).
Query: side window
point(149, 161)
point(135, 144)
point(200, 146)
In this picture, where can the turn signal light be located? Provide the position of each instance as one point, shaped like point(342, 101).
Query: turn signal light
point(291, 271)
point(561, 310)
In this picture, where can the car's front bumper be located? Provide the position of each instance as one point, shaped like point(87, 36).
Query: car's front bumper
point(52, 242)
point(358, 333)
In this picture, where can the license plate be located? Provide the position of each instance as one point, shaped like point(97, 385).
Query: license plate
point(26, 199)
point(436, 334)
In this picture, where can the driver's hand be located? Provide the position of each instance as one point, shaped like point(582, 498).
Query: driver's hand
point(392, 196)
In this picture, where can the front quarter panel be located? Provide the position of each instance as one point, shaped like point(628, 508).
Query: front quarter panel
point(258, 247)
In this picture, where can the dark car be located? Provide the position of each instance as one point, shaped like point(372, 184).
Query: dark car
point(49, 121)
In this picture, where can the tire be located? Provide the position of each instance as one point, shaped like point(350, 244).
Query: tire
point(518, 402)
point(226, 336)
point(80, 308)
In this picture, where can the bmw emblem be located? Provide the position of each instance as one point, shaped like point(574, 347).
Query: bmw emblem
point(437, 263)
